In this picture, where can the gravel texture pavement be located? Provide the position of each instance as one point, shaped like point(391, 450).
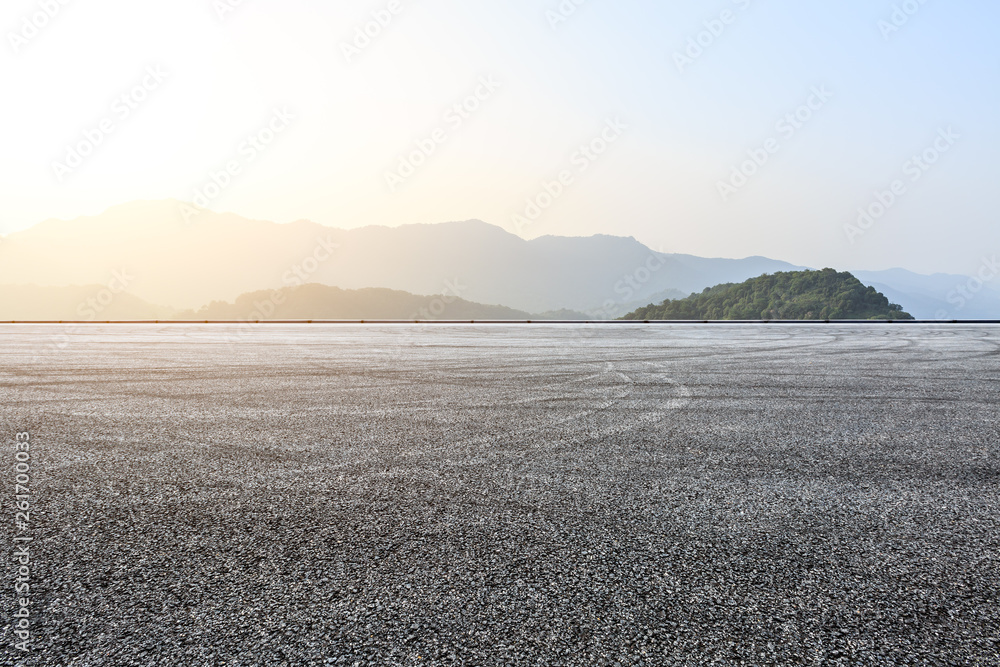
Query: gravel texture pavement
point(505, 495)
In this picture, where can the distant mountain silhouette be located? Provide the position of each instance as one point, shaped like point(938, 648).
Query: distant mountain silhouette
point(89, 303)
point(187, 264)
point(795, 295)
point(941, 295)
point(319, 302)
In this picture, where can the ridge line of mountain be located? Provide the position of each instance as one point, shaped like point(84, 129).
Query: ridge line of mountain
point(222, 256)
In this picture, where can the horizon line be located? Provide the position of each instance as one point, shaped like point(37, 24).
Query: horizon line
point(491, 322)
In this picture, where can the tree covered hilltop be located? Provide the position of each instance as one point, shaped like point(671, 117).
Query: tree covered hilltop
point(793, 295)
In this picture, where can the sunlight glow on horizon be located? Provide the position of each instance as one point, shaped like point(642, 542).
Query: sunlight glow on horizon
point(354, 118)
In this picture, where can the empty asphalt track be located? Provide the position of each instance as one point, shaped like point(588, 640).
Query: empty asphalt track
point(494, 495)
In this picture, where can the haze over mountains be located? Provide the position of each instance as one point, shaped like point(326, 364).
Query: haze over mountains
point(155, 253)
point(321, 302)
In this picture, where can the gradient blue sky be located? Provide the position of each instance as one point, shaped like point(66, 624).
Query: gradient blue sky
point(657, 182)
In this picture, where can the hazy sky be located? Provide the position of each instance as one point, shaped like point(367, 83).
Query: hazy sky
point(673, 118)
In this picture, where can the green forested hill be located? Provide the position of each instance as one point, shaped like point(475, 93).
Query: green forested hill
point(795, 295)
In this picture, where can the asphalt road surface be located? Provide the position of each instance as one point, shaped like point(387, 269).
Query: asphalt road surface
point(504, 495)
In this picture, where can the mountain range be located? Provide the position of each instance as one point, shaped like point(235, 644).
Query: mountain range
point(176, 258)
